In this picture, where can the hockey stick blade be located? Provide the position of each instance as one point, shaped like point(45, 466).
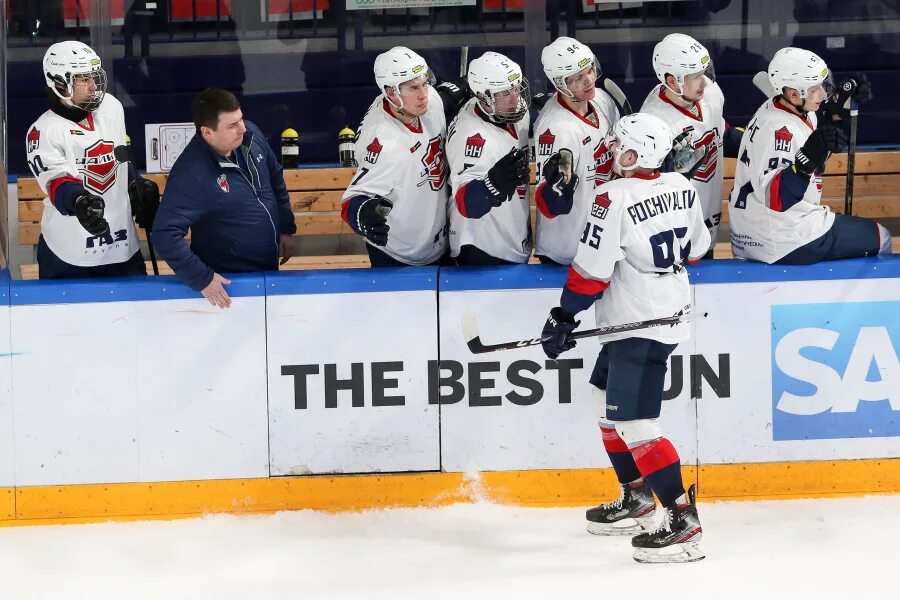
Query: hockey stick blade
point(763, 84)
point(618, 96)
point(476, 346)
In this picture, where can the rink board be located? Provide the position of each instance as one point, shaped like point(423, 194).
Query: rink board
point(127, 399)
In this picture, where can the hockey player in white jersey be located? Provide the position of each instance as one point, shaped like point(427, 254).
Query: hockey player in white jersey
point(397, 200)
point(487, 149)
point(775, 211)
point(572, 126)
point(689, 100)
point(641, 232)
point(86, 228)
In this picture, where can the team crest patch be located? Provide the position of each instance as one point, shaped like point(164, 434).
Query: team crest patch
point(474, 146)
point(223, 183)
point(373, 150)
point(98, 167)
point(600, 207)
point(783, 139)
point(33, 139)
point(545, 143)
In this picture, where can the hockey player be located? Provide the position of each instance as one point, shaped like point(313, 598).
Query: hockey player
point(487, 149)
point(573, 124)
point(775, 210)
point(642, 230)
point(86, 228)
point(398, 198)
point(689, 100)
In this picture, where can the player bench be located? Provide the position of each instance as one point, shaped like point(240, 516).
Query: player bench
point(316, 202)
point(315, 199)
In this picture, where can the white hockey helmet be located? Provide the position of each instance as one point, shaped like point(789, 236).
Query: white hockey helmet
point(64, 62)
point(679, 55)
point(399, 65)
point(647, 135)
point(801, 70)
point(565, 57)
point(493, 75)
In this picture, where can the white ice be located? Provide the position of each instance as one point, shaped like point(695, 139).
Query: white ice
point(809, 549)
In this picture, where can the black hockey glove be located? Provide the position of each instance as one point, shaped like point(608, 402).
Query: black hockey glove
point(144, 201)
point(556, 169)
point(539, 100)
point(89, 211)
point(555, 336)
point(856, 86)
point(372, 219)
point(823, 141)
point(507, 174)
point(454, 94)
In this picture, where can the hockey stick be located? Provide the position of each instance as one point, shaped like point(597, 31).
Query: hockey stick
point(463, 61)
point(762, 83)
point(851, 156)
point(123, 155)
point(617, 95)
point(473, 339)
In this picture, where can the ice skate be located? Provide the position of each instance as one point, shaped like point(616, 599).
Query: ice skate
point(630, 514)
point(676, 539)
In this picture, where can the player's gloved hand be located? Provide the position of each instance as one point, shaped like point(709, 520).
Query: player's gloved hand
point(88, 210)
point(555, 336)
point(507, 174)
point(855, 86)
point(539, 100)
point(372, 219)
point(454, 92)
point(811, 157)
point(144, 201)
point(684, 158)
point(555, 176)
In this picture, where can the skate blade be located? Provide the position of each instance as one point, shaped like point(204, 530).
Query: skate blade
point(630, 527)
point(676, 553)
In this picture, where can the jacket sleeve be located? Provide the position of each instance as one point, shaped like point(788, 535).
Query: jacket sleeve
point(181, 207)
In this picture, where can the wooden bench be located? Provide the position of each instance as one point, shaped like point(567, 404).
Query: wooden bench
point(316, 202)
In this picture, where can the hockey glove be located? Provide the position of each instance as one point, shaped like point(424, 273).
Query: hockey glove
point(507, 174)
point(88, 210)
point(557, 169)
point(555, 336)
point(372, 220)
point(539, 100)
point(684, 158)
point(857, 87)
point(144, 201)
point(823, 141)
point(454, 94)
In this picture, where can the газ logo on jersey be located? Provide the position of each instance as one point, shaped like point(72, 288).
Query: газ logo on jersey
point(474, 146)
point(545, 143)
point(373, 150)
point(783, 139)
point(835, 370)
point(223, 183)
point(435, 164)
point(98, 167)
point(600, 206)
point(33, 140)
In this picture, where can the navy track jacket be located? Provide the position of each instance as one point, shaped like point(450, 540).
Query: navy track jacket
point(235, 215)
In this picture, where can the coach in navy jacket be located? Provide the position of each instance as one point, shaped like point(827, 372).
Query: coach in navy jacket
point(228, 188)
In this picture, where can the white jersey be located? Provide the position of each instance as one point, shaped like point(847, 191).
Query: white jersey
point(559, 127)
point(406, 165)
point(473, 147)
point(640, 233)
point(708, 130)
point(61, 150)
point(759, 229)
